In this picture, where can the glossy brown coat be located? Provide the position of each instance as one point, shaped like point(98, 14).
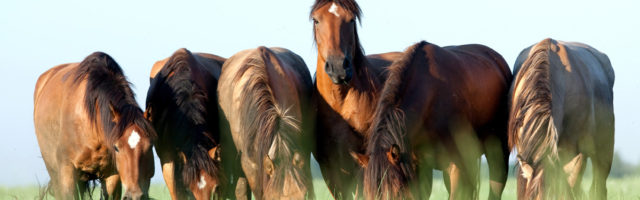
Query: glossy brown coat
point(89, 127)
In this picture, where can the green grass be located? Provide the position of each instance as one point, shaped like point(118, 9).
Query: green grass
point(619, 188)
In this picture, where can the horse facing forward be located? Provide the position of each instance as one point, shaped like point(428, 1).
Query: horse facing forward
point(347, 86)
point(89, 126)
point(265, 94)
point(561, 114)
point(182, 106)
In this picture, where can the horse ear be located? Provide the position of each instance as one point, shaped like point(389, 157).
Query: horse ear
point(361, 159)
point(267, 165)
point(394, 154)
point(214, 153)
point(297, 160)
point(114, 114)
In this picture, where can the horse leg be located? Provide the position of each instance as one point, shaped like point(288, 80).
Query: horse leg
point(67, 184)
point(111, 187)
point(601, 164)
point(242, 189)
point(425, 182)
point(497, 154)
point(168, 172)
point(462, 181)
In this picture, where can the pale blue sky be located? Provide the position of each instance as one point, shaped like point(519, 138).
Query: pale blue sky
point(37, 35)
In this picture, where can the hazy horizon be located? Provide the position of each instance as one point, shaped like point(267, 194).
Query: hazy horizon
point(38, 35)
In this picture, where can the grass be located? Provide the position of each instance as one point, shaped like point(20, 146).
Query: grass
point(619, 188)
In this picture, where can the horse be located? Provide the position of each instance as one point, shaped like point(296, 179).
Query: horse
point(266, 97)
point(182, 107)
point(347, 85)
point(90, 127)
point(561, 114)
point(440, 108)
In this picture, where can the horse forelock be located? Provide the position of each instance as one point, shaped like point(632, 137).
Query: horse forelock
point(266, 121)
point(107, 89)
point(350, 6)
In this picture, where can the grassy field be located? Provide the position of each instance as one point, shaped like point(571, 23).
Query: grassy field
point(625, 188)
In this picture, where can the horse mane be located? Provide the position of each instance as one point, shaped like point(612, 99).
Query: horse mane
point(388, 129)
point(531, 112)
point(264, 119)
point(351, 6)
point(107, 88)
point(190, 110)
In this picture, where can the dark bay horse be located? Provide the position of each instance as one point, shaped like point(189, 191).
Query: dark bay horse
point(265, 94)
point(182, 106)
point(89, 126)
point(347, 86)
point(561, 114)
point(440, 108)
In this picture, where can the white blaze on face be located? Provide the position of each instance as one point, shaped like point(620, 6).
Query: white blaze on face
point(134, 138)
point(334, 9)
point(202, 182)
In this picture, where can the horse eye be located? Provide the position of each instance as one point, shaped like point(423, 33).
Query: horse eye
point(116, 148)
point(315, 21)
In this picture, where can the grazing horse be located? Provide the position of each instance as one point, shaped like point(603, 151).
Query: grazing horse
point(440, 108)
point(182, 107)
point(265, 94)
point(347, 86)
point(561, 113)
point(89, 127)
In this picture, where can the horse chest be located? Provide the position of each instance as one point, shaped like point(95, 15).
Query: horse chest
point(93, 159)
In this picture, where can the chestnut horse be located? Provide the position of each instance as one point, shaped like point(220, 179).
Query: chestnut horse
point(89, 127)
point(347, 84)
point(182, 106)
point(440, 108)
point(561, 113)
point(265, 94)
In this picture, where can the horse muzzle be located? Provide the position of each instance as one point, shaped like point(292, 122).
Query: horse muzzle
point(339, 69)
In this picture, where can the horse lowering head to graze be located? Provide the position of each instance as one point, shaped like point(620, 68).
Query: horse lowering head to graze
point(347, 85)
point(182, 106)
point(265, 94)
point(89, 126)
point(440, 108)
point(561, 114)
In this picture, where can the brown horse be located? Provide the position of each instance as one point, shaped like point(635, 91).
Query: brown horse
point(347, 85)
point(561, 113)
point(265, 94)
point(442, 108)
point(182, 107)
point(89, 126)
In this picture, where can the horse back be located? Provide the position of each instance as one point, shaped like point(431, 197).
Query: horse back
point(478, 76)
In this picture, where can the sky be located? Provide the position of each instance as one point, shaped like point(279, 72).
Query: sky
point(37, 35)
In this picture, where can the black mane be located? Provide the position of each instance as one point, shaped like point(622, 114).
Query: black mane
point(107, 88)
point(182, 111)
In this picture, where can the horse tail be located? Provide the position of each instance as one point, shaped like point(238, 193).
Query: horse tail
point(263, 118)
point(531, 126)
